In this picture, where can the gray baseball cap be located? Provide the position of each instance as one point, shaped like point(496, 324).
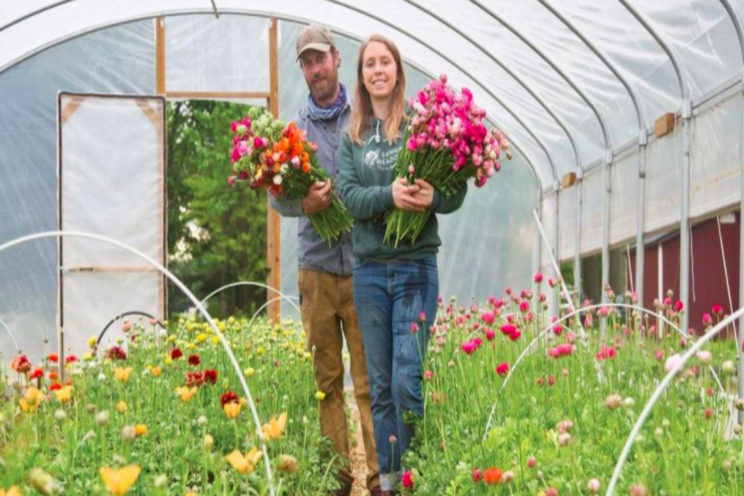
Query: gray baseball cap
point(314, 37)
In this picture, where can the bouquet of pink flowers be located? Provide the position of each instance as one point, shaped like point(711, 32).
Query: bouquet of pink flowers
point(280, 159)
point(446, 143)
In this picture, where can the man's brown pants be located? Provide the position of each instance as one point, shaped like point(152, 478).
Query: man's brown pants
point(329, 315)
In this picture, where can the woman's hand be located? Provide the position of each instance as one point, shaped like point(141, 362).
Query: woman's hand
point(425, 194)
point(404, 196)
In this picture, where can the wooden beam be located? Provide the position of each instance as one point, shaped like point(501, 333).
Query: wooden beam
point(160, 55)
point(195, 95)
point(273, 221)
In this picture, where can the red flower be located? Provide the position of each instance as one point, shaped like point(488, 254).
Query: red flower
point(53, 376)
point(194, 379)
point(56, 386)
point(36, 374)
point(117, 353)
point(493, 476)
point(502, 369)
point(53, 357)
point(229, 397)
point(210, 376)
point(71, 359)
point(176, 354)
point(407, 480)
point(194, 360)
point(21, 364)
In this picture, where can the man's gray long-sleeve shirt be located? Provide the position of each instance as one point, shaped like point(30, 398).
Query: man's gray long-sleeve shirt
point(313, 252)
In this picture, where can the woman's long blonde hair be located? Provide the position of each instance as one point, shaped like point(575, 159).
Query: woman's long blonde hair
point(362, 114)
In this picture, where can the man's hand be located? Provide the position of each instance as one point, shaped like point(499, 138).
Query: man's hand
point(425, 194)
point(318, 198)
point(404, 196)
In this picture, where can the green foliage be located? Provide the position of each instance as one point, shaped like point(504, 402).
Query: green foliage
point(216, 234)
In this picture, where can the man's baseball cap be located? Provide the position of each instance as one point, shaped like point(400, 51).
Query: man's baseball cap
point(314, 37)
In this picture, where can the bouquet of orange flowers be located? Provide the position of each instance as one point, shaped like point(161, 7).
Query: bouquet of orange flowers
point(280, 159)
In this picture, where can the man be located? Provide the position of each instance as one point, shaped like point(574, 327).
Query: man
point(325, 282)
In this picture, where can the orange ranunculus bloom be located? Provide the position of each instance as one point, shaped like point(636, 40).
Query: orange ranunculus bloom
point(493, 475)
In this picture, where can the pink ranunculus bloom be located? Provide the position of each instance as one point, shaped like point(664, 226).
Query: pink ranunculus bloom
point(707, 319)
point(428, 375)
point(679, 306)
point(717, 309)
point(508, 329)
point(570, 337)
point(502, 369)
point(490, 334)
point(552, 282)
point(478, 342)
point(469, 347)
point(672, 362)
point(667, 302)
point(538, 278)
point(659, 355)
point(407, 480)
point(514, 336)
point(524, 307)
point(488, 318)
point(557, 329)
point(606, 352)
point(560, 351)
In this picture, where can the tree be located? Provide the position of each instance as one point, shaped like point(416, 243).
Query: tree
point(216, 234)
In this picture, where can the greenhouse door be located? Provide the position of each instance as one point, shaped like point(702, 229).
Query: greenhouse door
point(112, 183)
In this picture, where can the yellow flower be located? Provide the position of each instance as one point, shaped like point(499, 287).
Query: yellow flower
point(140, 429)
point(31, 400)
point(92, 341)
point(221, 326)
point(156, 371)
point(191, 346)
point(119, 481)
point(88, 356)
point(191, 494)
point(64, 395)
point(275, 428)
point(168, 360)
point(320, 395)
point(121, 407)
point(232, 409)
point(122, 374)
point(208, 442)
point(260, 350)
point(200, 338)
point(172, 338)
point(190, 327)
point(244, 464)
point(216, 340)
point(13, 491)
point(186, 394)
point(249, 372)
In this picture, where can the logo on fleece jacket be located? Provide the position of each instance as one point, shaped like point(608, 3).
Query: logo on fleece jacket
point(381, 159)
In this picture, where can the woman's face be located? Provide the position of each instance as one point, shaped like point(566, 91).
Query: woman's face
point(379, 71)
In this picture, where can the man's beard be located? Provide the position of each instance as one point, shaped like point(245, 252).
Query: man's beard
point(325, 90)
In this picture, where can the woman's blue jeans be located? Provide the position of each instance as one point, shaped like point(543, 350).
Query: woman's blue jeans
point(391, 299)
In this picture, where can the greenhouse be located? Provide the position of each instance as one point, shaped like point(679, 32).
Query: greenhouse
point(161, 299)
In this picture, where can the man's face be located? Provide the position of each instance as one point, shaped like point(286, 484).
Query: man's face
point(321, 74)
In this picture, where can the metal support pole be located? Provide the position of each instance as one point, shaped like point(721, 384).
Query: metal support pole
point(577, 254)
point(607, 187)
point(640, 243)
point(684, 225)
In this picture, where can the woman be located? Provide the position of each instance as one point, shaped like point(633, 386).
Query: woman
point(395, 289)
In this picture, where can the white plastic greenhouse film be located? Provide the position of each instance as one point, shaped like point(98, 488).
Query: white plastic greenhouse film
point(567, 209)
point(716, 148)
point(591, 222)
point(624, 198)
point(663, 181)
point(112, 183)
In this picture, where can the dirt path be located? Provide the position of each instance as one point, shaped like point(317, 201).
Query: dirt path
point(358, 464)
